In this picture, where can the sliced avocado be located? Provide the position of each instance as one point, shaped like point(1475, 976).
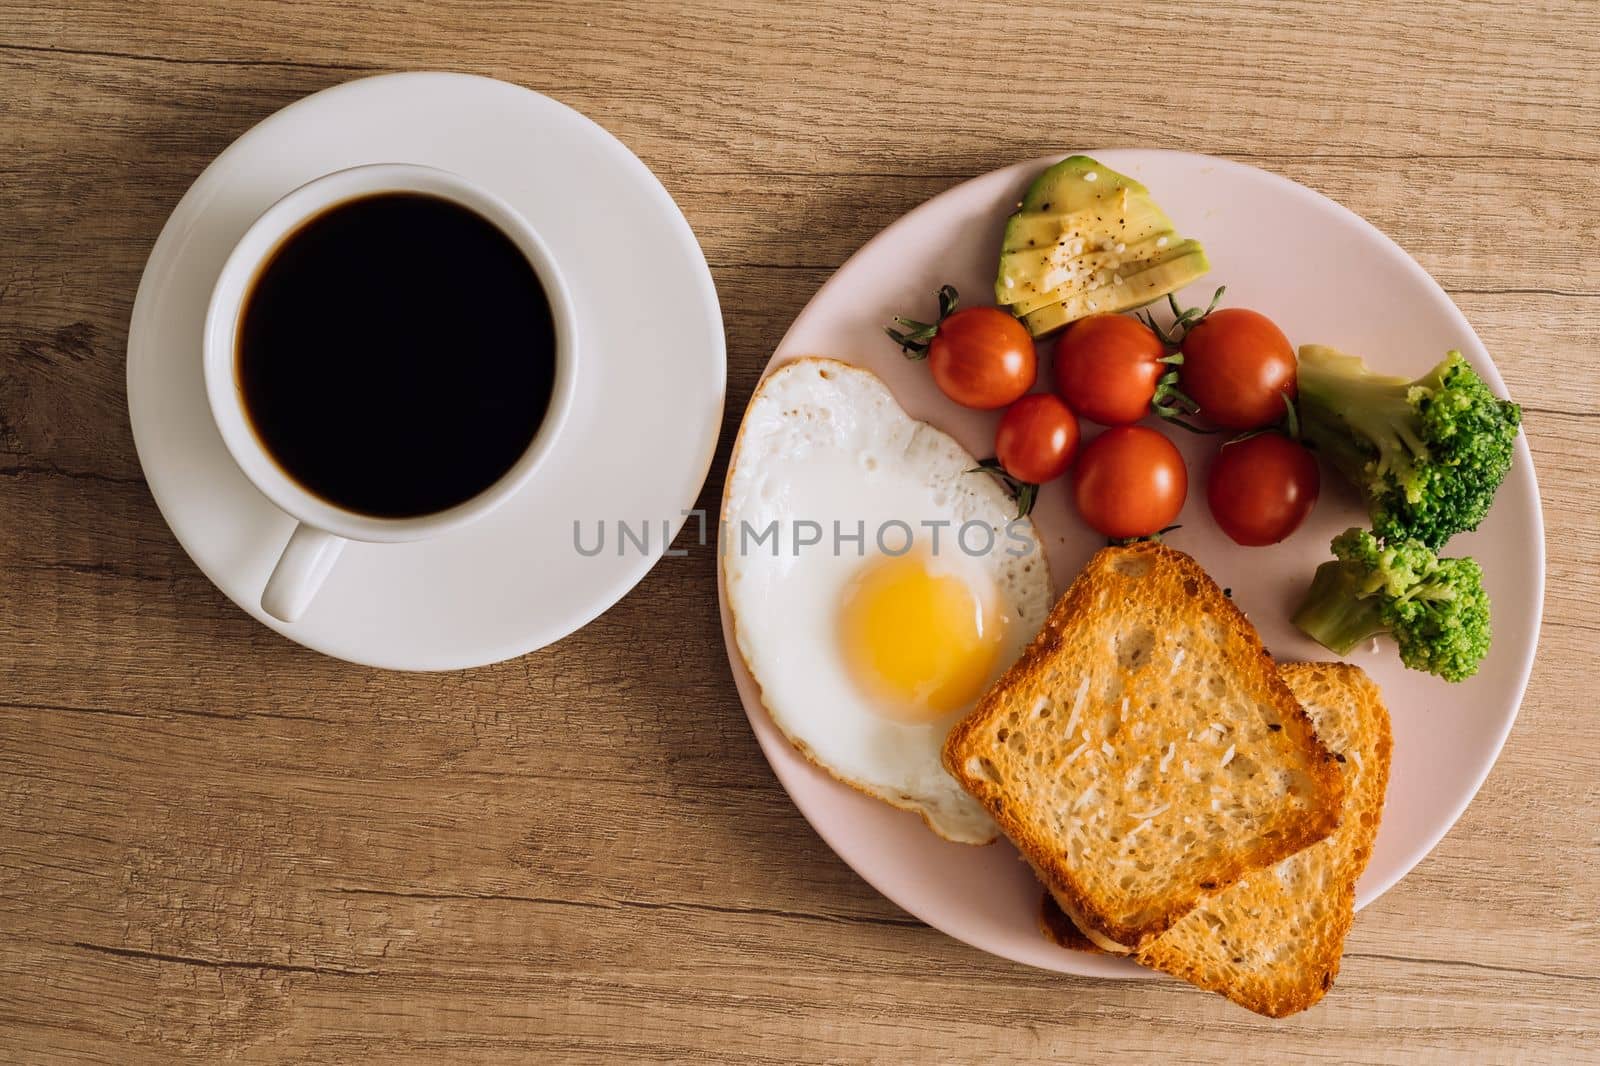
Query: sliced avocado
point(1030, 280)
point(1092, 280)
point(1092, 276)
point(1081, 237)
point(1135, 290)
point(1076, 183)
point(1137, 216)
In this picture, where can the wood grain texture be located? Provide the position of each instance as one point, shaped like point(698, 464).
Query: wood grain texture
point(215, 845)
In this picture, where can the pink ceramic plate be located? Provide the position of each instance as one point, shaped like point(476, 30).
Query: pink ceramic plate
point(1326, 276)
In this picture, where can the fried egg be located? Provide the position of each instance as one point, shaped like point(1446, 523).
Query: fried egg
point(877, 586)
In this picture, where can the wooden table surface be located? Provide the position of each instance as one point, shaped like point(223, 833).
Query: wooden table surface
point(216, 845)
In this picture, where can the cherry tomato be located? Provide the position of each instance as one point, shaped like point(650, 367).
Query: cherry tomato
point(1037, 438)
point(1107, 368)
point(982, 357)
point(1129, 482)
point(1261, 488)
point(1237, 366)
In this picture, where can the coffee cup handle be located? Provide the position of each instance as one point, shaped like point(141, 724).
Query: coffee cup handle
point(306, 561)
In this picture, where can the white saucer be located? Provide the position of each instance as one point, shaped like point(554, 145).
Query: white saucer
point(643, 427)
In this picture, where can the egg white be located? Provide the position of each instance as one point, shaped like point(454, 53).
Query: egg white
point(825, 442)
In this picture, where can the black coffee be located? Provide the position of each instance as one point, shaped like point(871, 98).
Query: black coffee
point(396, 354)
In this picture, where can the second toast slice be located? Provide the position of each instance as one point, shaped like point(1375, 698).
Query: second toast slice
point(1144, 752)
point(1272, 942)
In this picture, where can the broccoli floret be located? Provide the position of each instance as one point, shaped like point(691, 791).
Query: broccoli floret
point(1435, 609)
point(1429, 454)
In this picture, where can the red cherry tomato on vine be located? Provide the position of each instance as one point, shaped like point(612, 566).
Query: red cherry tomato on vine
point(982, 357)
point(1037, 438)
point(1261, 488)
point(1107, 368)
point(1237, 366)
point(1129, 482)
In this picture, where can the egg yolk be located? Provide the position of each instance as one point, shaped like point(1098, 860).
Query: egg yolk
point(919, 642)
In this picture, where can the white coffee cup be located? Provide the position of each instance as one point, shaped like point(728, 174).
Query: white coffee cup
point(324, 527)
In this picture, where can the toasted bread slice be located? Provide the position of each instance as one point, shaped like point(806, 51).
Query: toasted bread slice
point(1144, 753)
point(1273, 941)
